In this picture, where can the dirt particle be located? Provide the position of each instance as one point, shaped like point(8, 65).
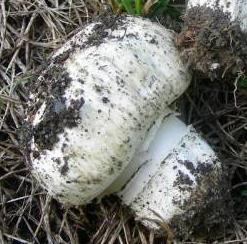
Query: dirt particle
point(182, 179)
point(65, 168)
point(36, 154)
point(190, 166)
point(63, 147)
point(57, 160)
point(153, 41)
point(105, 100)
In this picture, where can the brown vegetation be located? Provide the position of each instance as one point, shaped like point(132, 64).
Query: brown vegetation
point(30, 30)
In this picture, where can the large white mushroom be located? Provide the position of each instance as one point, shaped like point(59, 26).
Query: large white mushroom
point(98, 98)
point(100, 123)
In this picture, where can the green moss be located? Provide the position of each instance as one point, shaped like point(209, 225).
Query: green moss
point(243, 82)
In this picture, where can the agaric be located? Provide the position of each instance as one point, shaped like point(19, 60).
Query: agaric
point(214, 38)
point(100, 123)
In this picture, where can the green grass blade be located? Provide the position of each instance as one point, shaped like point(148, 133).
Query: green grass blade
point(159, 8)
point(127, 4)
point(138, 7)
point(243, 83)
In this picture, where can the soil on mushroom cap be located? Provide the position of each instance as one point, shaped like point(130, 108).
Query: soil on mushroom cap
point(212, 45)
point(50, 87)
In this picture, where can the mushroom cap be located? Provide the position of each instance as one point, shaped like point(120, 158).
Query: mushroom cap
point(96, 100)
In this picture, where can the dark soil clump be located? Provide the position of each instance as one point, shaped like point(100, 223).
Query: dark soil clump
point(50, 87)
point(208, 215)
point(212, 45)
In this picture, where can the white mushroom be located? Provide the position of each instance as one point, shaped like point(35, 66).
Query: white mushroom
point(100, 124)
point(213, 39)
point(237, 9)
point(104, 89)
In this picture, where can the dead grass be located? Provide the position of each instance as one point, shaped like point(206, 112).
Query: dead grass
point(30, 30)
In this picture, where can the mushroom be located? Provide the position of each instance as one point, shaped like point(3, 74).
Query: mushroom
point(96, 101)
point(237, 9)
point(213, 40)
point(99, 123)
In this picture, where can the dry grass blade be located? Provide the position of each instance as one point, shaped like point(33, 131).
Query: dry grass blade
point(29, 32)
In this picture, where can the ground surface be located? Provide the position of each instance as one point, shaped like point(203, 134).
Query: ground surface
point(30, 31)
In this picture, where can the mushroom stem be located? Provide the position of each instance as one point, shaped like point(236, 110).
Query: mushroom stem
point(176, 173)
point(162, 137)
